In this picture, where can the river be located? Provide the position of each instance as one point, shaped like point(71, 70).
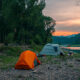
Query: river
point(71, 48)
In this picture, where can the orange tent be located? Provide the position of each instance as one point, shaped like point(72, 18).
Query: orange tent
point(26, 60)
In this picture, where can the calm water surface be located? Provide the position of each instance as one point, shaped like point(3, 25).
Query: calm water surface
point(74, 48)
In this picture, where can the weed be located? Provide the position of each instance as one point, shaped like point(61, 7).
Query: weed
point(70, 65)
point(31, 78)
point(79, 79)
point(7, 61)
point(20, 76)
point(11, 51)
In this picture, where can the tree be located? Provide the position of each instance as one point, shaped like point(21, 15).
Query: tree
point(25, 20)
point(49, 27)
point(1, 24)
point(77, 39)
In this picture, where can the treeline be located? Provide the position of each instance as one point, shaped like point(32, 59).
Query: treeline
point(74, 39)
point(22, 22)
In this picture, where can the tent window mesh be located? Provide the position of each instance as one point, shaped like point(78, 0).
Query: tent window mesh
point(55, 49)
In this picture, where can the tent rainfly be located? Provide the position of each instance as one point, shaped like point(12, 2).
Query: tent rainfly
point(27, 60)
point(51, 49)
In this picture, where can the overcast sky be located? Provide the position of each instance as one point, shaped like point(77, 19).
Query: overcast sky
point(66, 13)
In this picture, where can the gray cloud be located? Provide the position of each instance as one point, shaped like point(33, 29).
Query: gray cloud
point(69, 28)
point(62, 10)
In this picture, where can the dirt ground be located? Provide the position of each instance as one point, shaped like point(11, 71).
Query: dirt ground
point(60, 70)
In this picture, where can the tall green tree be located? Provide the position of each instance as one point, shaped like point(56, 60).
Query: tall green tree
point(25, 21)
point(77, 39)
point(1, 24)
point(49, 28)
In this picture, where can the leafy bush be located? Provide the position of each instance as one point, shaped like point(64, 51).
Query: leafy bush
point(36, 47)
point(11, 51)
point(9, 38)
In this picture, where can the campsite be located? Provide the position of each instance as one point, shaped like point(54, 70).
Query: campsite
point(51, 67)
point(39, 39)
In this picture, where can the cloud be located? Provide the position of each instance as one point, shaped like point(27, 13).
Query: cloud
point(68, 28)
point(64, 33)
point(61, 9)
point(66, 14)
point(69, 25)
point(69, 22)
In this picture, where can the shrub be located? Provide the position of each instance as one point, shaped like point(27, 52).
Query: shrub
point(11, 51)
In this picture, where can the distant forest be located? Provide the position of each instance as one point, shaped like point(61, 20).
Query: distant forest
point(73, 39)
point(23, 22)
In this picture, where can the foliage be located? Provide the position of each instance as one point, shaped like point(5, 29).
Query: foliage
point(9, 38)
point(23, 22)
point(72, 40)
point(77, 39)
point(7, 61)
point(11, 51)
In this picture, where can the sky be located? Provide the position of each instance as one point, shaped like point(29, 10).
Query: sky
point(67, 16)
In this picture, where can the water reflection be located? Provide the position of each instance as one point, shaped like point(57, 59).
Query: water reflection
point(72, 48)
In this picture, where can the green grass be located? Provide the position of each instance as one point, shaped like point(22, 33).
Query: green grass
point(7, 61)
point(46, 59)
point(75, 45)
point(77, 55)
point(10, 55)
point(51, 59)
point(58, 59)
point(11, 51)
point(79, 79)
point(70, 65)
point(10, 61)
point(36, 48)
point(31, 78)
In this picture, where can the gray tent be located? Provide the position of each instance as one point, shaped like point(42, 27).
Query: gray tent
point(51, 49)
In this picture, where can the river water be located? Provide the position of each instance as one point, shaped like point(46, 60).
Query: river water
point(72, 48)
